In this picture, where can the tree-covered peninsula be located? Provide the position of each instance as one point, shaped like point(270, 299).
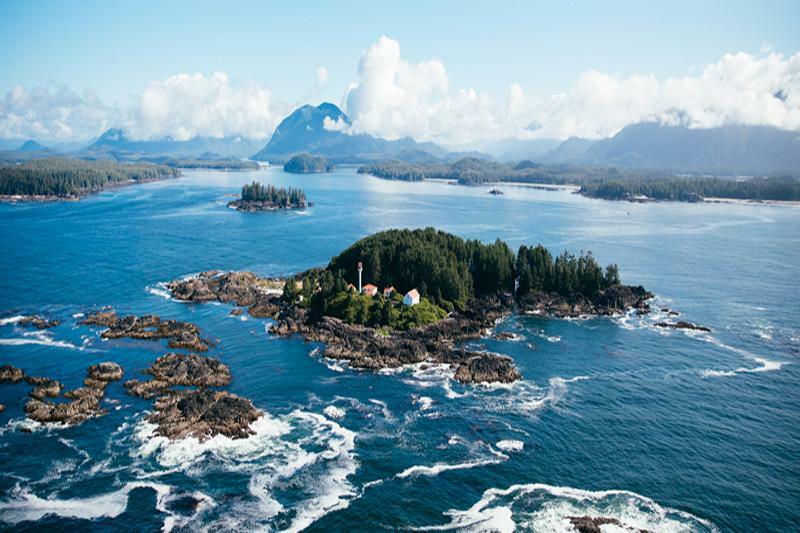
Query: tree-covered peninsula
point(423, 292)
point(308, 164)
point(606, 183)
point(60, 178)
point(258, 197)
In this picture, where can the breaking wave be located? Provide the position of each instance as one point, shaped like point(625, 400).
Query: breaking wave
point(541, 507)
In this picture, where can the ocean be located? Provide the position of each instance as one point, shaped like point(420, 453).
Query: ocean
point(663, 430)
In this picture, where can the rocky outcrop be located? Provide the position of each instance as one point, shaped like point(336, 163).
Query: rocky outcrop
point(175, 369)
point(245, 289)
point(38, 322)
point(11, 374)
point(613, 300)
point(181, 335)
point(203, 414)
point(81, 403)
point(594, 524)
point(681, 324)
point(487, 368)
point(253, 206)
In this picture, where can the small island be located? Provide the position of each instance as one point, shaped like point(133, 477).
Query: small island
point(258, 197)
point(403, 297)
point(308, 164)
point(69, 179)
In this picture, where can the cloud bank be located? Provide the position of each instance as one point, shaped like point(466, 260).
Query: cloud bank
point(394, 97)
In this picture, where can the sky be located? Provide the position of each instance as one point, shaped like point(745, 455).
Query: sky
point(451, 72)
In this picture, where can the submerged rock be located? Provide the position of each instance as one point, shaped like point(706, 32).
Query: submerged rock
point(182, 335)
point(203, 414)
point(180, 370)
point(681, 324)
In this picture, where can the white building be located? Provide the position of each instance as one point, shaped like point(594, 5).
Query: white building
point(411, 297)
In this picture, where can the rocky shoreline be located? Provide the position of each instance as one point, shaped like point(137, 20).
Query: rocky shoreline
point(253, 206)
point(368, 348)
point(181, 335)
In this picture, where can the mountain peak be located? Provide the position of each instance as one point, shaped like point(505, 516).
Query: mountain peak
point(33, 146)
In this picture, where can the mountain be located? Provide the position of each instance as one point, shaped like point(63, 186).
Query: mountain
point(727, 149)
point(570, 151)
point(33, 146)
point(305, 131)
point(519, 149)
point(115, 144)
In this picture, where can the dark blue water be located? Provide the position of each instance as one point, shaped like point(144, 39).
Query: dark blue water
point(664, 430)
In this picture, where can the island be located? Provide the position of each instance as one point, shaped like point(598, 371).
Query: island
point(229, 164)
point(69, 179)
point(258, 197)
point(308, 164)
point(607, 183)
point(402, 297)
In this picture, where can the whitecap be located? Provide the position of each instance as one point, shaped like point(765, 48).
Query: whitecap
point(424, 402)
point(510, 445)
point(438, 468)
point(541, 507)
point(11, 320)
point(334, 412)
point(766, 366)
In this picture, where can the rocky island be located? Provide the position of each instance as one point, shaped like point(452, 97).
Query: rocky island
point(308, 164)
point(438, 291)
point(258, 197)
point(181, 335)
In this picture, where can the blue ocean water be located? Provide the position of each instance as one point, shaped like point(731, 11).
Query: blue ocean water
point(664, 430)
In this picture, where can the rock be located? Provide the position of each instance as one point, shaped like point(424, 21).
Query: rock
point(38, 322)
point(496, 192)
point(236, 311)
point(504, 336)
point(615, 299)
point(11, 374)
point(180, 370)
point(2, 407)
point(203, 414)
point(487, 368)
point(593, 524)
point(84, 402)
point(683, 325)
point(181, 335)
point(240, 288)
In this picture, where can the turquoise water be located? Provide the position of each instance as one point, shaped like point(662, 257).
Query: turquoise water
point(665, 430)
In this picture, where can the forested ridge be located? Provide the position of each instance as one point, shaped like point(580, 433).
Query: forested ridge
point(598, 182)
point(64, 177)
point(448, 272)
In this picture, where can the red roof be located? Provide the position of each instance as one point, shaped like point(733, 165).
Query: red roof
point(413, 293)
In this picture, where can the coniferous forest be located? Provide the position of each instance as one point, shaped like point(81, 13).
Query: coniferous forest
point(62, 177)
point(256, 192)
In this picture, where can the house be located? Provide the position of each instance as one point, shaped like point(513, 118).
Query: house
point(411, 298)
point(370, 289)
point(388, 292)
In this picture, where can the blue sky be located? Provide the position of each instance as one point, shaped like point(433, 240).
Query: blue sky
point(117, 48)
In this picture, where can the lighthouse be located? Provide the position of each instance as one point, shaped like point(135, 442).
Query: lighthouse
point(360, 268)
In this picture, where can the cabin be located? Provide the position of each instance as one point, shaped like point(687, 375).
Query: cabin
point(388, 292)
point(369, 289)
point(411, 298)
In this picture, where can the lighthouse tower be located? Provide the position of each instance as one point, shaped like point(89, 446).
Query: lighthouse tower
point(360, 268)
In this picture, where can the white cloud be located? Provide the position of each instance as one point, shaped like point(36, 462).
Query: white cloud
point(335, 125)
point(393, 97)
point(322, 76)
point(187, 105)
point(54, 114)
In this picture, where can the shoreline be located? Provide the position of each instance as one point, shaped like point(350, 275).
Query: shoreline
point(47, 198)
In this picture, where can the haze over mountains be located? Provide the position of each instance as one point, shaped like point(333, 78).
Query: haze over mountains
point(326, 130)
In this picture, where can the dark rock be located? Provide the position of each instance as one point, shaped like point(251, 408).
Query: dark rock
point(593, 524)
point(45, 388)
point(38, 322)
point(203, 414)
point(180, 370)
point(236, 311)
point(615, 299)
point(2, 407)
point(683, 325)
point(181, 335)
point(240, 288)
point(487, 368)
point(504, 336)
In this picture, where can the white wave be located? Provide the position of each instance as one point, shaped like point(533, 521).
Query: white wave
point(160, 289)
point(510, 445)
point(540, 507)
point(78, 315)
point(11, 320)
point(334, 412)
point(438, 468)
point(424, 402)
point(40, 338)
point(23, 505)
point(387, 414)
point(766, 366)
point(297, 463)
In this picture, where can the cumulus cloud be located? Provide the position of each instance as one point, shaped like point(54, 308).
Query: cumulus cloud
point(54, 114)
point(322, 76)
point(393, 98)
point(189, 105)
